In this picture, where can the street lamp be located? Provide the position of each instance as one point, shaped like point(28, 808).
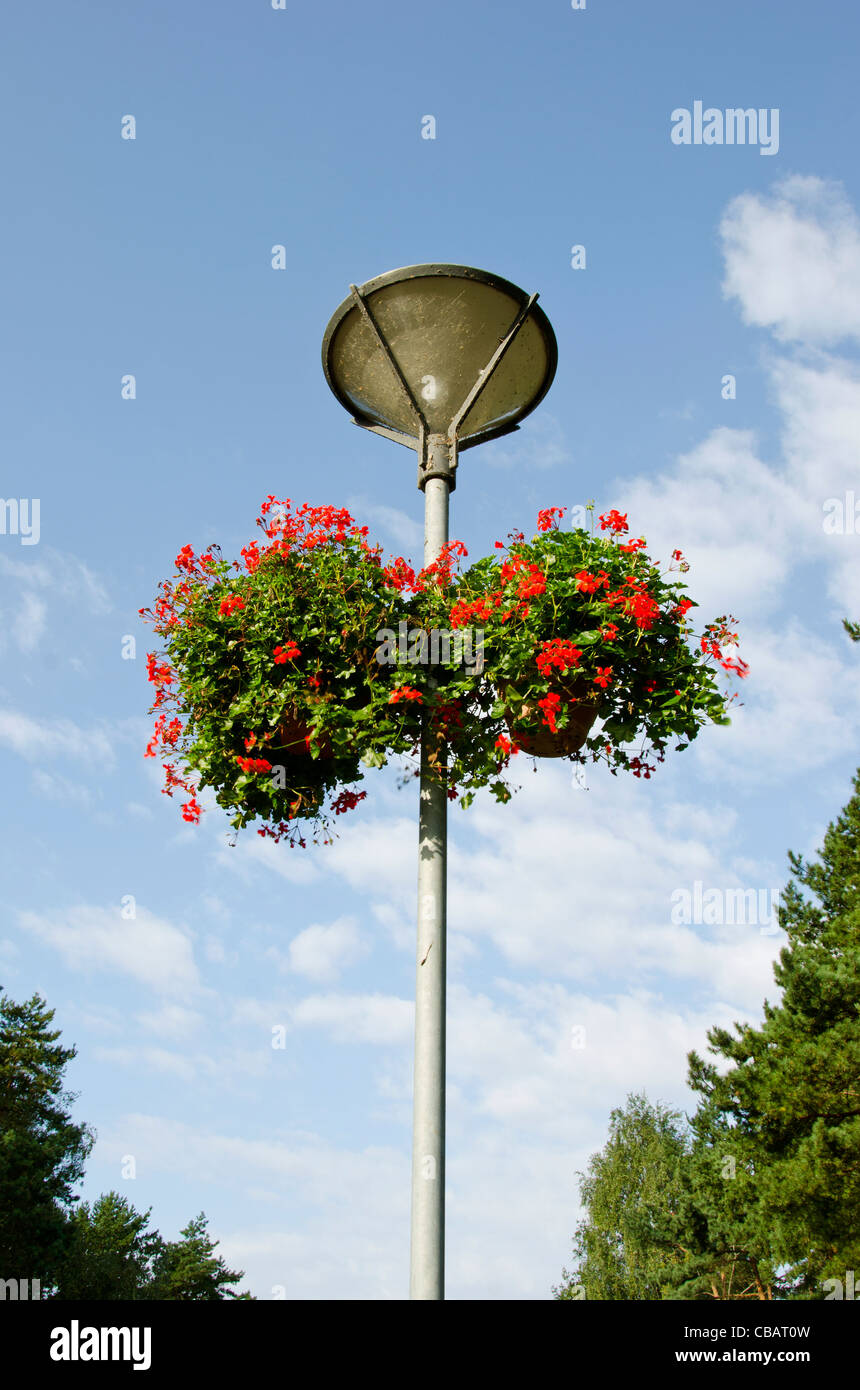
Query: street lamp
point(439, 358)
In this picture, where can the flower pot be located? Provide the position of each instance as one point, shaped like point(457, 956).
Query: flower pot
point(540, 741)
point(291, 739)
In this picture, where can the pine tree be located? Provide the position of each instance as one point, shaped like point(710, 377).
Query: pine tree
point(42, 1150)
point(111, 1251)
point(725, 1251)
point(188, 1270)
point(792, 1092)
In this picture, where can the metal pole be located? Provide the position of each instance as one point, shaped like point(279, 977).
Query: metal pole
point(427, 1273)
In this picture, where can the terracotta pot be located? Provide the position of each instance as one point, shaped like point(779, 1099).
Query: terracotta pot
point(291, 738)
point(541, 742)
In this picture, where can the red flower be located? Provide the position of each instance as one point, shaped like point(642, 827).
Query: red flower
point(251, 555)
point(346, 801)
point(630, 547)
point(550, 706)
point(287, 653)
point(229, 605)
point(534, 584)
point(739, 666)
point(604, 676)
point(644, 609)
point(614, 521)
point(159, 675)
point(405, 692)
point(399, 575)
point(559, 653)
point(590, 583)
point(546, 518)
point(254, 764)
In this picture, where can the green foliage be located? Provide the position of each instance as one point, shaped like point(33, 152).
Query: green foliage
point(570, 605)
point(111, 1252)
point(283, 676)
point(103, 1250)
point(759, 1197)
point(271, 670)
point(188, 1270)
point(724, 1251)
point(42, 1150)
point(792, 1088)
point(625, 1246)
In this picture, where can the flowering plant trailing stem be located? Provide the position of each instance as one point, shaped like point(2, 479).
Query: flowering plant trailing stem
point(283, 674)
point(575, 621)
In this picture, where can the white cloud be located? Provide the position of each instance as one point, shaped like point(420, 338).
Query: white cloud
point(735, 518)
point(32, 582)
point(371, 1018)
point(793, 260)
point(55, 571)
point(802, 705)
point(251, 852)
point(148, 948)
point(29, 623)
point(58, 788)
point(334, 1223)
point(407, 533)
point(157, 1059)
point(171, 1021)
point(48, 738)
point(324, 952)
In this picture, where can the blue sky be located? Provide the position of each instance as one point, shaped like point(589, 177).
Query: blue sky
point(258, 127)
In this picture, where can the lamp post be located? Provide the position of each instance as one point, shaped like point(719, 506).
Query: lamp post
point(438, 358)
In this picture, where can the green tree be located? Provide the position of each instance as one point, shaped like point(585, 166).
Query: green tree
point(791, 1093)
point(626, 1245)
point(724, 1247)
point(111, 1251)
point(188, 1270)
point(42, 1149)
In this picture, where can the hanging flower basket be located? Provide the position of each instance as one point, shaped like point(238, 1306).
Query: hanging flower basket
point(267, 688)
point(574, 711)
point(284, 676)
point(575, 627)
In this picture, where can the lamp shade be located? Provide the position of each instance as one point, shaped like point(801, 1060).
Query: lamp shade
point(442, 326)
